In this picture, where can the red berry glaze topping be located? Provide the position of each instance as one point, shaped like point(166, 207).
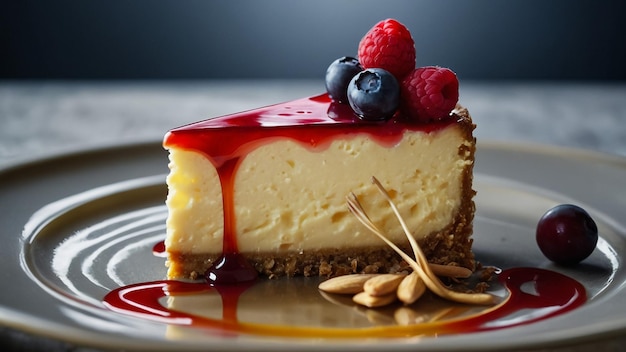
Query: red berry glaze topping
point(388, 45)
point(429, 93)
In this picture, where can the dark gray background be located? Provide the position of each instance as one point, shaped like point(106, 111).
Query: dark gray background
point(479, 39)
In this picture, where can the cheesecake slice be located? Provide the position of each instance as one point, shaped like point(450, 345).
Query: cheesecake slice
point(270, 184)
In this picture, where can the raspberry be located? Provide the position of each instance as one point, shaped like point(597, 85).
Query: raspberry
point(388, 45)
point(429, 93)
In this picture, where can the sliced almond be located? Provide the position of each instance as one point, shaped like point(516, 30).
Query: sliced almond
point(365, 299)
point(411, 288)
point(346, 284)
point(454, 271)
point(383, 284)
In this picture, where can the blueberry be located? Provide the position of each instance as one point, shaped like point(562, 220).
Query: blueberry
point(566, 234)
point(338, 75)
point(374, 94)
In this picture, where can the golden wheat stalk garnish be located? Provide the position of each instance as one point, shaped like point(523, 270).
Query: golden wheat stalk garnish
point(420, 264)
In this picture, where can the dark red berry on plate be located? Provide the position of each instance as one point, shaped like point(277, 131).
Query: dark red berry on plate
point(374, 94)
point(429, 93)
point(566, 234)
point(388, 45)
point(338, 76)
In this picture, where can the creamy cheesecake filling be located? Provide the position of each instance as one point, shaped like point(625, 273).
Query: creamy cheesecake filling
point(304, 209)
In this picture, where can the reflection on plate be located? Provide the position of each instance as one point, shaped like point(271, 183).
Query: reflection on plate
point(289, 308)
point(86, 250)
point(77, 247)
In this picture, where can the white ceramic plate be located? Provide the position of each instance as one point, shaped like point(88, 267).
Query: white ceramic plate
point(75, 226)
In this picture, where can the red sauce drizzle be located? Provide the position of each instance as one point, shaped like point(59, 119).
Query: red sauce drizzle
point(159, 249)
point(553, 294)
point(230, 268)
point(314, 122)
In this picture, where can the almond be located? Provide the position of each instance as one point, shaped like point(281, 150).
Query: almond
point(346, 284)
point(454, 271)
point(383, 284)
point(411, 288)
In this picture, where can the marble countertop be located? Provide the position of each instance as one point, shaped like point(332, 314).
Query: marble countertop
point(50, 117)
